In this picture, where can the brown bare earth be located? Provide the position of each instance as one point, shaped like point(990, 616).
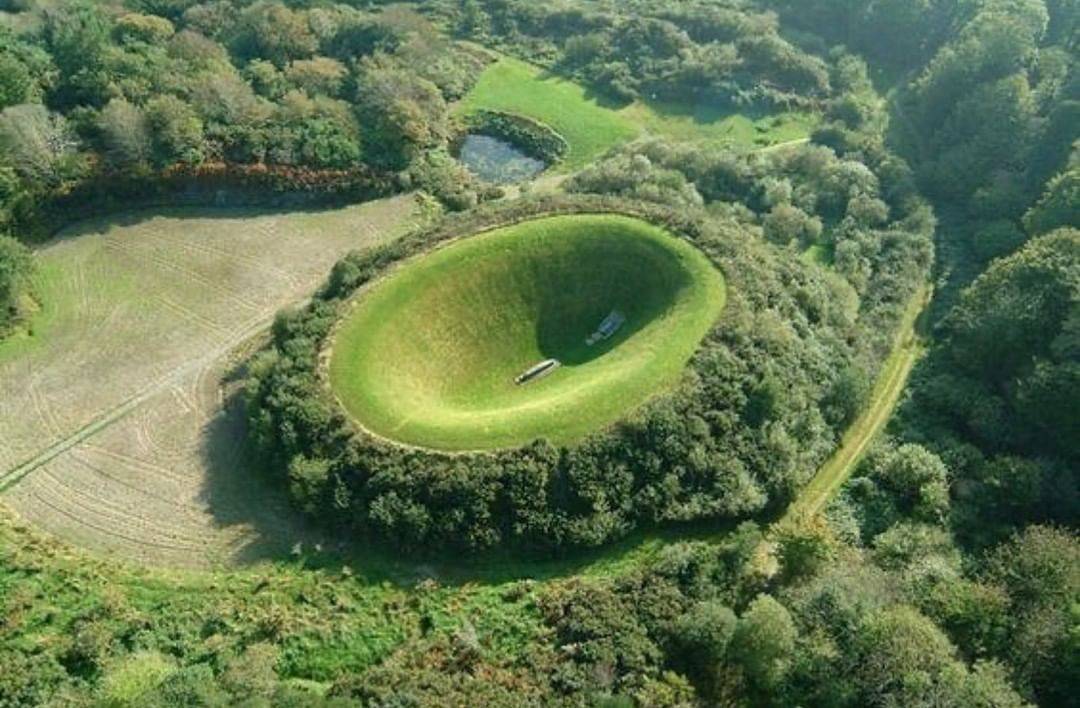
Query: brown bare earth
point(118, 430)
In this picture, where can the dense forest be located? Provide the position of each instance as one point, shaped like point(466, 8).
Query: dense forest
point(946, 572)
point(95, 93)
point(729, 54)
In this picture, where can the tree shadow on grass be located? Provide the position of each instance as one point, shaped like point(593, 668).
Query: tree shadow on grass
point(568, 344)
point(100, 223)
point(593, 93)
point(706, 112)
point(702, 111)
point(236, 493)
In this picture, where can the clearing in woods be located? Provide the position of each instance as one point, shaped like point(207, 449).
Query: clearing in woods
point(429, 356)
point(592, 125)
point(116, 431)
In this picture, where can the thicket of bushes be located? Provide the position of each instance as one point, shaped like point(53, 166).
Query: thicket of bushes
point(761, 404)
point(16, 268)
point(279, 97)
point(989, 108)
point(722, 54)
point(218, 184)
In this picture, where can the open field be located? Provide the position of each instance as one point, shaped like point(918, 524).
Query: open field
point(711, 125)
point(592, 125)
point(114, 428)
point(429, 356)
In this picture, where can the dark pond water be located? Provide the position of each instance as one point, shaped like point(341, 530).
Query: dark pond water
point(497, 161)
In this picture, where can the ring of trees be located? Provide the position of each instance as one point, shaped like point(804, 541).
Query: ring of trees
point(730, 438)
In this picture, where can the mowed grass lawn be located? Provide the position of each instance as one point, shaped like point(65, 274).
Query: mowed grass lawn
point(592, 125)
point(429, 355)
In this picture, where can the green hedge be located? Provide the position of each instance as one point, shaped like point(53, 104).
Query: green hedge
point(216, 184)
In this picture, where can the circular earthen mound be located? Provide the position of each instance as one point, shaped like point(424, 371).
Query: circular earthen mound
point(441, 352)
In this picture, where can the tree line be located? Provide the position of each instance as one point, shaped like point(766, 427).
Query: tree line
point(729, 54)
point(987, 105)
point(90, 91)
point(16, 268)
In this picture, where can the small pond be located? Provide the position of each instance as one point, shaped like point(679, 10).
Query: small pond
point(497, 161)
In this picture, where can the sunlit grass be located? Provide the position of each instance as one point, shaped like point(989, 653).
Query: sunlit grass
point(589, 126)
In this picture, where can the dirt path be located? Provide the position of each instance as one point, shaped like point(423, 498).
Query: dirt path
point(781, 146)
point(883, 400)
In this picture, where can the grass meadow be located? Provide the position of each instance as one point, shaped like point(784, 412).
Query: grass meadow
point(589, 125)
point(115, 429)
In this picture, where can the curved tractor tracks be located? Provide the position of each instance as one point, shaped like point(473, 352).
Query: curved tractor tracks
point(12, 476)
point(117, 428)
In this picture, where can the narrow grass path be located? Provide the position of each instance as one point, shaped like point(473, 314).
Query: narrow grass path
point(907, 350)
point(780, 146)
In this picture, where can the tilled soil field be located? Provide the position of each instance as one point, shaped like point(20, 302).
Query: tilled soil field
point(118, 430)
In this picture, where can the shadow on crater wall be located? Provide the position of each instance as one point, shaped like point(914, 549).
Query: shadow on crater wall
point(563, 323)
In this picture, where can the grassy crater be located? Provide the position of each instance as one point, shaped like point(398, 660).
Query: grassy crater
point(429, 355)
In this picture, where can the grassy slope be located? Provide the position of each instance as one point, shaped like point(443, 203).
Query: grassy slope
point(592, 126)
point(704, 123)
point(428, 357)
